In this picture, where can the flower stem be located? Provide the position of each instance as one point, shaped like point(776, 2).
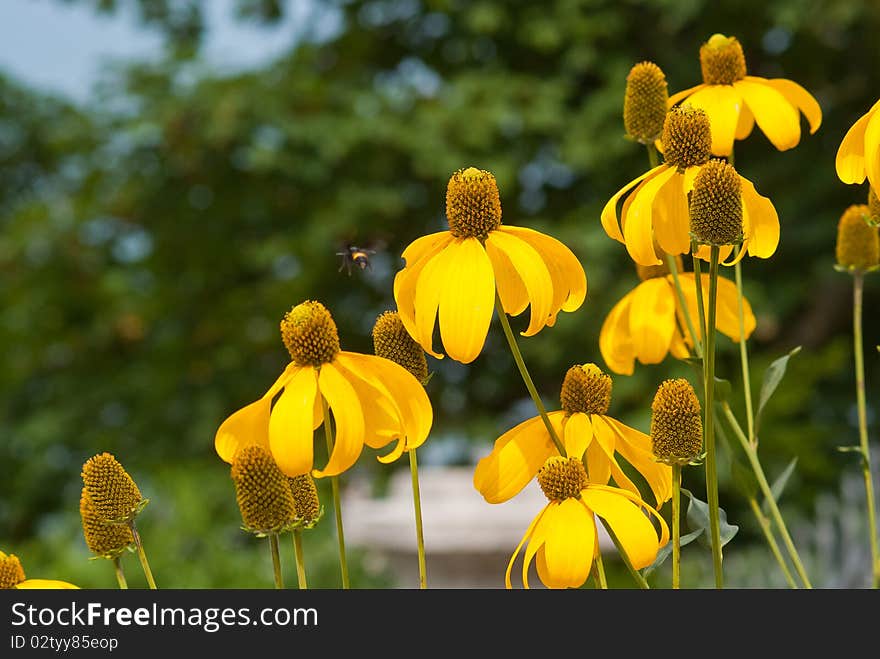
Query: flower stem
point(653, 157)
point(600, 572)
point(752, 455)
point(142, 556)
point(676, 526)
point(417, 507)
point(858, 285)
point(640, 580)
point(524, 372)
point(300, 559)
point(276, 560)
point(744, 355)
point(337, 502)
point(771, 541)
point(673, 269)
point(120, 575)
point(708, 424)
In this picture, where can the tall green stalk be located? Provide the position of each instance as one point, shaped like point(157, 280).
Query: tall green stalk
point(744, 355)
point(417, 506)
point(120, 575)
point(764, 523)
point(708, 425)
point(337, 501)
point(299, 557)
point(676, 526)
point(601, 581)
point(276, 560)
point(142, 556)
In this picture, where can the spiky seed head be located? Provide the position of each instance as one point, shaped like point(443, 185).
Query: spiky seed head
point(644, 102)
point(562, 478)
point(392, 341)
point(716, 208)
point(687, 137)
point(722, 60)
point(310, 334)
point(586, 389)
point(676, 423)
point(11, 571)
point(102, 539)
point(114, 495)
point(473, 205)
point(857, 242)
point(262, 491)
point(305, 499)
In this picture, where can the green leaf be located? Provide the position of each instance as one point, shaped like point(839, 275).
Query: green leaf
point(772, 377)
point(779, 485)
point(698, 518)
point(666, 550)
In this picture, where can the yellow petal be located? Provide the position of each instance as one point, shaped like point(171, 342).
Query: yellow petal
point(763, 221)
point(723, 105)
point(349, 417)
point(511, 290)
point(635, 447)
point(615, 343)
point(678, 97)
point(872, 151)
point(516, 551)
point(536, 542)
point(609, 212)
point(671, 215)
point(577, 434)
point(637, 223)
point(516, 458)
point(424, 246)
point(776, 117)
point(727, 311)
point(606, 437)
point(799, 98)
point(598, 463)
point(467, 299)
point(746, 123)
point(567, 273)
point(45, 584)
point(533, 273)
point(428, 292)
point(850, 159)
point(652, 320)
point(382, 422)
point(569, 545)
point(250, 424)
point(290, 424)
point(630, 525)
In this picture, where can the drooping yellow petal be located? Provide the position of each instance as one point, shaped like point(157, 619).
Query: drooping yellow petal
point(615, 342)
point(605, 437)
point(609, 213)
point(850, 159)
point(597, 463)
point(382, 417)
point(567, 273)
point(630, 525)
point(727, 311)
point(349, 417)
point(578, 432)
point(511, 290)
point(536, 542)
point(250, 424)
point(872, 151)
point(778, 119)
point(746, 123)
point(568, 545)
point(533, 273)
point(425, 245)
point(763, 221)
point(526, 536)
point(635, 447)
point(516, 458)
point(44, 584)
point(467, 299)
point(637, 224)
point(290, 424)
point(799, 98)
point(652, 320)
point(723, 105)
point(678, 348)
point(676, 98)
point(671, 216)
point(428, 282)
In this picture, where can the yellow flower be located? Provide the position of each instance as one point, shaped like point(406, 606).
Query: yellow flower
point(585, 429)
point(859, 152)
point(648, 322)
point(372, 400)
point(735, 101)
point(12, 576)
point(563, 539)
point(655, 211)
point(454, 274)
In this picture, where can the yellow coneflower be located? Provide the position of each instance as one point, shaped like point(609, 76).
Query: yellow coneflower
point(736, 101)
point(372, 400)
point(563, 538)
point(454, 275)
point(586, 429)
point(858, 155)
point(12, 576)
point(676, 423)
point(114, 495)
point(262, 491)
point(306, 504)
point(648, 323)
point(103, 539)
point(858, 246)
point(644, 102)
point(656, 208)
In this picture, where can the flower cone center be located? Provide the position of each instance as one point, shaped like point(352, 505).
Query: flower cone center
point(857, 241)
point(392, 341)
point(586, 389)
point(114, 495)
point(722, 60)
point(716, 209)
point(687, 137)
point(562, 478)
point(473, 205)
point(676, 423)
point(310, 334)
point(11, 571)
point(644, 103)
point(305, 498)
point(263, 492)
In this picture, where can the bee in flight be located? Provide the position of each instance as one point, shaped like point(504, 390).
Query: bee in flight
point(355, 256)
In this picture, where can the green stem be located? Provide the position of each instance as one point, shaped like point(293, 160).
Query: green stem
point(858, 285)
point(764, 523)
point(276, 560)
point(120, 575)
point(744, 355)
point(679, 293)
point(600, 572)
point(752, 455)
point(524, 372)
point(708, 425)
point(142, 556)
point(417, 506)
point(640, 580)
point(337, 501)
point(300, 559)
point(652, 155)
point(676, 526)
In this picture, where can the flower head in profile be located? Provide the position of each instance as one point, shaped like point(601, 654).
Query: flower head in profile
point(563, 538)
point(656, 216)
point(735, 102)
point(453, 276)
point(12, 576)
point(858, 245)
point(113, 496)
point(586, 430)
point(644, 102)
point(372, 401)
point(676, 423)
point(858, 155)
point(104, 540)
point(648, 323)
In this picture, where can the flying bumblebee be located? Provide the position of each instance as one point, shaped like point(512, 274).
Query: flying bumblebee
point(355, 256)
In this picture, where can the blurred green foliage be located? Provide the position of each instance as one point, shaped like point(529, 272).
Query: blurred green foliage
point(152, 239)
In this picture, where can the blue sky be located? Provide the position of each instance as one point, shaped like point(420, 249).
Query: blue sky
point(60, 48)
